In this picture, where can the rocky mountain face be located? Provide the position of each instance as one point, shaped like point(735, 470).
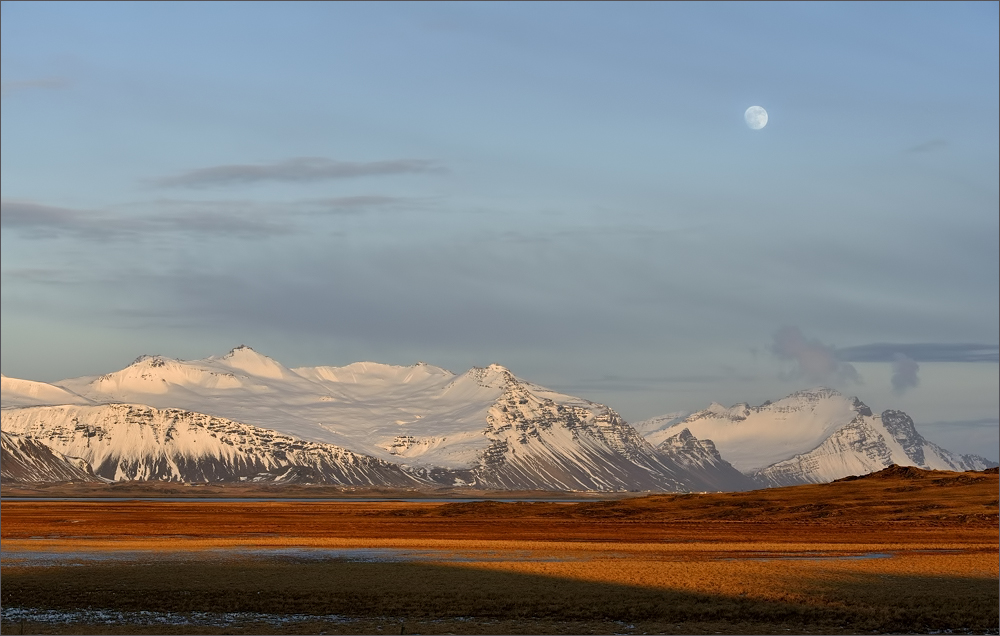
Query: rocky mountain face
point(701, 458)
point(866, 444)
point(27, 460)
point(811, 436)
point(244, 416)
point(753, 437)
point(400, 425)
point(539, 443)
point(127, 441)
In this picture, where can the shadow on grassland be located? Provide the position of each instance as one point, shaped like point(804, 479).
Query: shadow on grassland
point(415, 597)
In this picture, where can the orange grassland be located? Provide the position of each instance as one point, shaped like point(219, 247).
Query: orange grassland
point(903, 550)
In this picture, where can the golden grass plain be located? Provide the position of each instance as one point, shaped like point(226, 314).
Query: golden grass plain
point(910, 552)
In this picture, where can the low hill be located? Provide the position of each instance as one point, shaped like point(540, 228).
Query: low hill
point(895, 494)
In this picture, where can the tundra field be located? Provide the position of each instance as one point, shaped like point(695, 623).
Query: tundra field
point(902, 550)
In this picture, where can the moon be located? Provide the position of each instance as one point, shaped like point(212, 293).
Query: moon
point(756, 117)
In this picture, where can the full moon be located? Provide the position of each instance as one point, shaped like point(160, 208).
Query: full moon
point(756, 117)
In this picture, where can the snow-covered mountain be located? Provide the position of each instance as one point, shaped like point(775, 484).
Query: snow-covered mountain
point(484, 427)
point(753, 437)
point(811, 436)
point(868, 443)
point(26, 459)
point(700, 458)
point(17, 392)
point(128, 441)
point(246, 416)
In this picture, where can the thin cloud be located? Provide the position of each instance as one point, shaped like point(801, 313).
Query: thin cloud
point(921, 352)
point(813, 360)
point(904, 373)
point(214, 223)
point(27, 214)
point(9, 88)
point(40, 221)
point(929, 146)
point(295, 170)
point(985, 423)
point(235, 219)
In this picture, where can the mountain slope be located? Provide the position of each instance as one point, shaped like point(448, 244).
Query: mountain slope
point(17, 392)
point(539, 442)
point(484, 427)
point(125, 441)
point(867, 444)
point(25, 459)
point(700, 459)
point(753, 437)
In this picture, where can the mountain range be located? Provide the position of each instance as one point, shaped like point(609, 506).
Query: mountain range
point(245, 417)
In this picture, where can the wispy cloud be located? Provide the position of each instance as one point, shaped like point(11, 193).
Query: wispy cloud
point(297, 169)
point(9, 88)
point(904, 373)
point(15, 213)
point(235, 219)
point(929, 146)
point(921, 352)
point(813, 360)
point(987, 423)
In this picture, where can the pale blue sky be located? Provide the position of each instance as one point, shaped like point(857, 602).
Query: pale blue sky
point(566, 189)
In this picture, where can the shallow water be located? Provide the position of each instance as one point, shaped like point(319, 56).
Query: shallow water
point(42, 558)
point(811, 556)
point(114, 617)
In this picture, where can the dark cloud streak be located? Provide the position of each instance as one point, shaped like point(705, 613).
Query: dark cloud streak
point(929, 146)
point(9, 88)
point(921, 352)
point(294, 170)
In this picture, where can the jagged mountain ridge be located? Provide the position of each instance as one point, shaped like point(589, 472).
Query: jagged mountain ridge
point(485, 427)
point(128, 441)
point(754, 437)
point(702, 458)
point(28, 460)
point(813, 436)
point(867, 444)
point(536, 442)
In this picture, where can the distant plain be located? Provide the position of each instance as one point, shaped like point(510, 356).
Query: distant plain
point(903, 550)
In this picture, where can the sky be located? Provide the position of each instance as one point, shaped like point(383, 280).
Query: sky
point(567, 189)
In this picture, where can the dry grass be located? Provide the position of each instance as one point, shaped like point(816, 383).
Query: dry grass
point(670, 564)
point(900, 594)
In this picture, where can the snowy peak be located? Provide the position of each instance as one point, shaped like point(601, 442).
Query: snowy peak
point(690, 445)
point(815, 394)
point(700, 458)
point(866, 444)
point(494, 376)
point(245, 359)
point(156, 375)
point(752, 437)
point(16, 392)
point(735, 413)
point(137, 442)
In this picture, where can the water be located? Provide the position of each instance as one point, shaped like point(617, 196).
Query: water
point(43, 558)
point(115, 617)
point(811, 556)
